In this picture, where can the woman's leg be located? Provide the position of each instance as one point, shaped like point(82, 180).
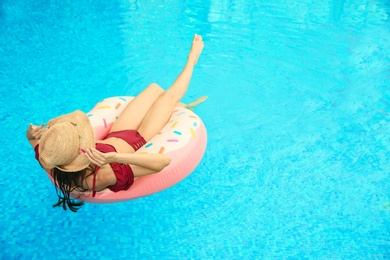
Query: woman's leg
point(191, 106)
point(133, 114)
point(161, 110)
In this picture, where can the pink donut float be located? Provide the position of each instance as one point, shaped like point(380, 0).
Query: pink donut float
point(183, 138)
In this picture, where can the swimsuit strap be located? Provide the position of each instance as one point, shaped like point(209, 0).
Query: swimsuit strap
point(94, 181)
point(139, 144)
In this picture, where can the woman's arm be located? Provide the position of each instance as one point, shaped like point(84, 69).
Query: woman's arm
point(154, 162)
point(34, 133)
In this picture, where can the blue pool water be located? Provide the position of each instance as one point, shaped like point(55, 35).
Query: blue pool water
point(298, 117)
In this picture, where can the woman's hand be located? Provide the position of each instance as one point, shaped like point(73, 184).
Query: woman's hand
point(35, 132)
point(99, 158)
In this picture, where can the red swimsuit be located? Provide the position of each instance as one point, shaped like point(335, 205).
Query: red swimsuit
point(123, 172)
point(132, 137)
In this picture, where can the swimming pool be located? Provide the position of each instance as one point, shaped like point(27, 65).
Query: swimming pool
point(298, 119)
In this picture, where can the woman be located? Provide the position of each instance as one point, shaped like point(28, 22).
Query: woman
point(66, 147)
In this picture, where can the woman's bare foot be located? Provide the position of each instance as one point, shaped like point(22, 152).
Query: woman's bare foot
point(196, 49)
point(191, 106)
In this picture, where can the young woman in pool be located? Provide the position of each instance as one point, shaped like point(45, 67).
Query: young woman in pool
point(66, 147)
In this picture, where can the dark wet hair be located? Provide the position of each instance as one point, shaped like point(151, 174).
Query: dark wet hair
point(65, 183)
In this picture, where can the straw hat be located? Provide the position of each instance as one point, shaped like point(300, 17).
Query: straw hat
point(60, 146)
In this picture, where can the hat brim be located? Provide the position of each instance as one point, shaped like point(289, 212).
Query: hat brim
point(87, 140)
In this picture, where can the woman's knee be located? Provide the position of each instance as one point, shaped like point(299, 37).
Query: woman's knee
point(156, 88)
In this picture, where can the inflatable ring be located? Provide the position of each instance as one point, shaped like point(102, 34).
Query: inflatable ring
point(183, 138)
